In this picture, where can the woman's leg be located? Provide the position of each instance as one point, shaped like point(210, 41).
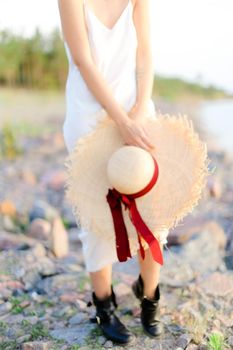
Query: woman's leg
point(147, 290)
point(101, 281)
point(103, 298)
point(150, 272)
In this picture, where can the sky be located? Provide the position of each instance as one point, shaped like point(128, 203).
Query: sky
point(191, 39)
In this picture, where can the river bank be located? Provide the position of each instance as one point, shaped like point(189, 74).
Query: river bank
point(43, 284)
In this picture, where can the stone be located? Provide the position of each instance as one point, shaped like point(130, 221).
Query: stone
point(39, 229)
point(230, 340)
point(37, 345)
point(24, 338)
point(79, 318)
point(42, 209)
point(217, 284)
point(214, 186)
point(192, 347)
point(108, 344)
point(28, 176)
point(182, 233)
point(5, 293)
point(15, 241)
point(217, 233)
point(101, 340)
point(121, 290)
point(57, 181)
point(81, 304)
point(69, 297)
point(5, 308)
point(8, 224)
point(184, 340)
point(7, 207)
point(54, 179)
point(12, 284)
point(59, 239)
point(73, 335)
point(38, 250)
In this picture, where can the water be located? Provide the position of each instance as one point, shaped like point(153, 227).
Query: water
point(217, 117)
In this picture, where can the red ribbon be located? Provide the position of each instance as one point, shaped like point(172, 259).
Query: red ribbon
point(114, 199)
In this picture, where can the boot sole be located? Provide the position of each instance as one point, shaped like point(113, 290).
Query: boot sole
point(133, 338)
point(150, 335)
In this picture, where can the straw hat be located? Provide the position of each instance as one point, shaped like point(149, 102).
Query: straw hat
point(101, 169)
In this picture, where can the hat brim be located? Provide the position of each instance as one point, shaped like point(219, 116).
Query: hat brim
point(183, 169)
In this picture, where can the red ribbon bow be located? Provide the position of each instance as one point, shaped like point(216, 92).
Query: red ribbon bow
point(115, 199)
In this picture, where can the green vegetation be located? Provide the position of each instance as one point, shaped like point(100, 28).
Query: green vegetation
point(177, 88)
point(17, 308)
point(40, 62)
point(9, 345)
point(35, 62)
point(92, 340)
point(216, 341)
point(8, 145)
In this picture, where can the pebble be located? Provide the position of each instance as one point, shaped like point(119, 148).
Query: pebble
point(31, 267)
point(39, 229)
point(192, 347)
point(79, 318)
point(230, 341)
point(5, 308)
point(37, 345)
point(184, 340)
point(108, 344)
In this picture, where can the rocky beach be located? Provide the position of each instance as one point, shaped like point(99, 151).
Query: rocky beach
point(44, 289)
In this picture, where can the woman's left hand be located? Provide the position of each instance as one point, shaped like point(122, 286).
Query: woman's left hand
point(139, 112)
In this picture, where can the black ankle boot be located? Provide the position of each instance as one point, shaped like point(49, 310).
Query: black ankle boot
point(149, 309)
point(111, 326)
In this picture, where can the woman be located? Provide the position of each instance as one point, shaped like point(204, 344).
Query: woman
point(111, 69)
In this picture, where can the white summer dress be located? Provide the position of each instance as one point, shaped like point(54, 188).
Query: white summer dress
point(114, 52)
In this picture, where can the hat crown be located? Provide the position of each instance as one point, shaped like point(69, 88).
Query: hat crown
point(130, 169)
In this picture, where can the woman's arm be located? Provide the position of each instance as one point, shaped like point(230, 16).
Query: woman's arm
point(75, 34)
point(144, 64)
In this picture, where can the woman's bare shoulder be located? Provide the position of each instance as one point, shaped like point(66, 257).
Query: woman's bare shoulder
point(74, 29)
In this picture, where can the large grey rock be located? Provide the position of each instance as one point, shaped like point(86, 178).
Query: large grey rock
point(73, 335)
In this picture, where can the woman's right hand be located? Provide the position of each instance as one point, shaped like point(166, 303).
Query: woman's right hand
point(135, 133)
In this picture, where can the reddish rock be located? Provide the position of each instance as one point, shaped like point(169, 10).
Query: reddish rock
point(11, 284)
point(28, 176)
point(69, 297)
point(192, 347)
point(7, 208)
point(217, 233)
point(36, 345)
point(81, 304)
point(54, 179)
point(214, 187)
point(25, 303)
point(217, 284)
point(40, 229)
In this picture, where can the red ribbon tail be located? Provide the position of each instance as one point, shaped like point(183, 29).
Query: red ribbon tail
point(122, 241)
point(146, 233)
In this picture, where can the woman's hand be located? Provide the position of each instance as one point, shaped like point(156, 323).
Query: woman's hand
point(139, 112)
point(133, 130)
